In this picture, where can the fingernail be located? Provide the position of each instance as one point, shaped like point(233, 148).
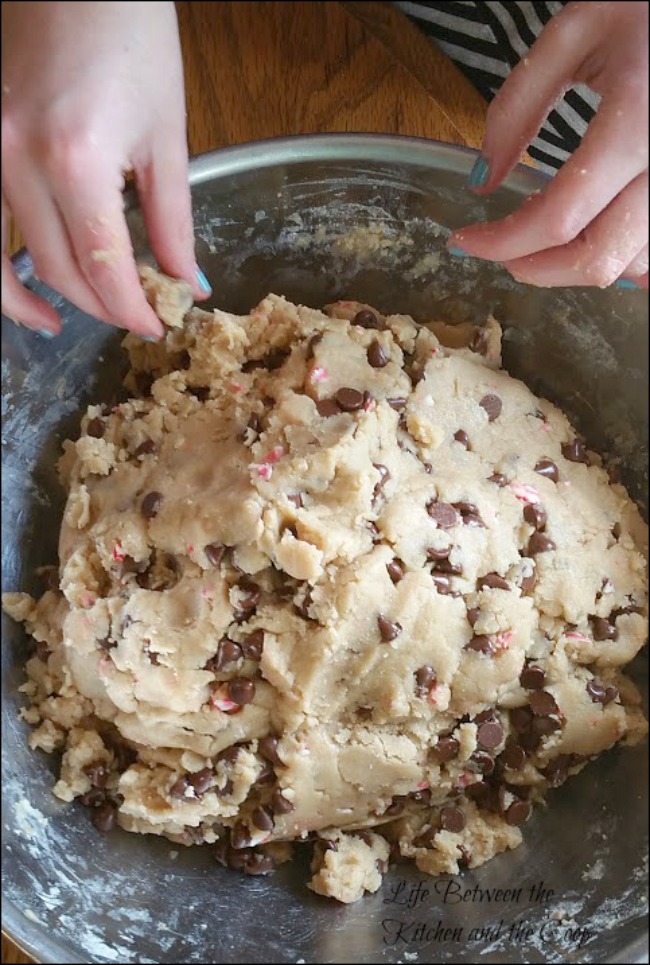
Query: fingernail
point(457, 252)
point(625, 283)
point(46, 333)
point(204, 284)
point(478, 176)
point(149, 338)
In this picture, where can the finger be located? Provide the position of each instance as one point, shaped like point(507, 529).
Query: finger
point(92, 207)
point(25, 307)
point(610, 156)
point(18, 303)
point(47, 240)
point(601, 253)
point(166, 202)
point(526, 97)
point(638, 267)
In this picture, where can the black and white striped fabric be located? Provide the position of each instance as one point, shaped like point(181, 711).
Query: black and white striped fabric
point(486, 40)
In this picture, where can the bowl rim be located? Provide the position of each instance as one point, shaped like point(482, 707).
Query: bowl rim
point(295, 149)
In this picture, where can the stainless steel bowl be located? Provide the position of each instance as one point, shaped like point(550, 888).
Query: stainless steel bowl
point(318, 218)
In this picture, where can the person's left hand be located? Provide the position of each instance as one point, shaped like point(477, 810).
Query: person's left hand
point(590, 225)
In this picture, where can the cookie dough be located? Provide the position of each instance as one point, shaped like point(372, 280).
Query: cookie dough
point(327, 572)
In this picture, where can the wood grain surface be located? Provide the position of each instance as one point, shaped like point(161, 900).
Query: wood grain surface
point(256, 70)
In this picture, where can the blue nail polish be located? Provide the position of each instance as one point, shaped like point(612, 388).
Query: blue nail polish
point(203, 281)
point(478, 176)
point(625, 283)
point(457, 252)
point(149, 338)
point(45, 333)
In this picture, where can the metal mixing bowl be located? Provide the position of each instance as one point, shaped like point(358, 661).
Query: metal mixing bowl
point(318, 218)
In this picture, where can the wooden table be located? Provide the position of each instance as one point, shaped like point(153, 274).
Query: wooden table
point(269, 69)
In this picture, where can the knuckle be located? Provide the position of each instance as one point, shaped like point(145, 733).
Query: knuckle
point(12, 138)
point(67, 154)
point(563, 227)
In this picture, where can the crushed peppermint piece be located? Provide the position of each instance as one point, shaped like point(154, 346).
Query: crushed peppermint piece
point(527, 494)
point(319, 374)
point(275, 454)
point(118, 553)
point(262, 469)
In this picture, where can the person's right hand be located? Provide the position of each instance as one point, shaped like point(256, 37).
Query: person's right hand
point(91, 91)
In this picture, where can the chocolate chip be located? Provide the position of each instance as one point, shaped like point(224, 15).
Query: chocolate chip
point(151, 505)
point(469, 514)
point(521, 719)
point(384, 476)
point(446, 566)
point(395, 807)
point(473, 614)
point(96, 428)
point(481, 644)
point(262, 818)
point(105, 817)
point(201, 780)
point(266, 776)
point(253, 645)
point(327, 408)
point(93, 798)
point(575, 451)
point(395, 570)
point(599, 693)
point(97, 773)
point(532, 677)
point(513, 757)
point(445, 750)
point(228, 653)
point(179, 787)
point(435, 553)
point(241, 690)
point(240, 837)
point(280, 804)
point(251, 592)
point(492, 405)
point(482, 794)
point(462, 437)
point(481, 762)
point(146, 448)
point(214, 553)
point(200, 392)
point(315, 340)
point(539, 543)
point(296, 500)
point(388, 629)
point(528, 583)
point(106, 644)
point(487, 715)
point(443, 514)
point(442, 584)
point(398, 404)
point(478, 342)
point(349, 399)
point(543, 704)
point(143, 383)
point(259, 864)
point(268, 748)
point(490, 734)
point(518, 813)
point(452, 819)
point(271, 362)
point(547, 468)
point(425, 678)
point(493, 582)
point(557, 770)
point(377, 356)
point(543, 726)
point(498, 479)
point(367, 319)
point(602, 629)
point(535, 515)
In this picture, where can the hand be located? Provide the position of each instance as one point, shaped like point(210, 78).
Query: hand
point(590, 225)
point(91, 91)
